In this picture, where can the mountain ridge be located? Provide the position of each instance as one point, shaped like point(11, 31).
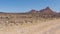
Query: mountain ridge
point(45, 10)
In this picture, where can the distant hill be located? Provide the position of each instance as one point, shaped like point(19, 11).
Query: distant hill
point(47, 12)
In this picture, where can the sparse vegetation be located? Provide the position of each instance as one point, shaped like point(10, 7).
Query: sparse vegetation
point(30, 17)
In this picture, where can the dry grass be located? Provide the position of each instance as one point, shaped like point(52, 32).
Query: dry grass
point(28, 24)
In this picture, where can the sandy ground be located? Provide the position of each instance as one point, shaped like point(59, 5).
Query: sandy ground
point(49, 27)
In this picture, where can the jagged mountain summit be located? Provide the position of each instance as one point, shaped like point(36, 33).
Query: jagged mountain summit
point(46, 13)
point(47, 10)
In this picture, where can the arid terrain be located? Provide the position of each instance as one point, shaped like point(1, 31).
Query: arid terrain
point(44, 21)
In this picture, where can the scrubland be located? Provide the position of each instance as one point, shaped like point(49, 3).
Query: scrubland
point(28, 24)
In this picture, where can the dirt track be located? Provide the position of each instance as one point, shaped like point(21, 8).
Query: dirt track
point(49, 27)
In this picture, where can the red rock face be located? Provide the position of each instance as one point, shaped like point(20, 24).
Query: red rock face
point(47, 10)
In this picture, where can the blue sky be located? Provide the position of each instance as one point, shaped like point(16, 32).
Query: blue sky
point(26, 5)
